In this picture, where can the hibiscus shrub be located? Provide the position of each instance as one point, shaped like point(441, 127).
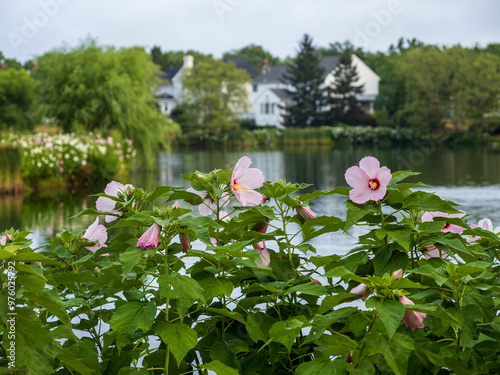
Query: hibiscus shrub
point(238, 287)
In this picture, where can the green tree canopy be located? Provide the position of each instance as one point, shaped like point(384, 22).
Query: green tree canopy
point(169, 59)
point(216, 95)
point(255, 55)
point(17, 97)
point(93, 88)
point(305, 75)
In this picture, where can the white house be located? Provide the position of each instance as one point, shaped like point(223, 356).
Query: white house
point(168, 96)
point(270, 92)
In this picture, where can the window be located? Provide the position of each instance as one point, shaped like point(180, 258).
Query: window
point(254, 88)
point(166, 108)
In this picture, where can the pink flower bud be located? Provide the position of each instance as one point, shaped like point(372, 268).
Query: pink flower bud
point(185, 242)
point(265, 256)
point(360, 291)
point(412, 319)
point(176, 205)
point(317, 282)
point(305, 212)
point(398, 274)
point(150, 238)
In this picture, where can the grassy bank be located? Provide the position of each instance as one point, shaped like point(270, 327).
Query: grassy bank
point(271, 138)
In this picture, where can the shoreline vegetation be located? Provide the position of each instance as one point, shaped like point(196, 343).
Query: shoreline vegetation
point(45, 163)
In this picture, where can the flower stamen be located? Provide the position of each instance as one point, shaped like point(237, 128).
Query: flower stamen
point(373, 184)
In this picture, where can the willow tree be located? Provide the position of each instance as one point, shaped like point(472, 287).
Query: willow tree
point(216, 95)
point(91, 88)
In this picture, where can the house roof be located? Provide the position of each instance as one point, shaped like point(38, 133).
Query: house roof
point(275, 73)
point(282, 94)
point(170, 72)
point(242, 63)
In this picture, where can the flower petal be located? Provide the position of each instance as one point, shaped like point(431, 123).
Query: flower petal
point(240, 168)
point(113, 188)
point(370, 165)
point(248, 197)
point(360, 194)
point(253, 178)
point(384, 176)
point(356, 177)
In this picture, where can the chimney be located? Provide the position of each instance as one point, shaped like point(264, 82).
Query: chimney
point(188, 61)
point(265, 65)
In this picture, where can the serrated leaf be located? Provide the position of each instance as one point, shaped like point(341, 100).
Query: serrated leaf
point(179, 337)
point(220, 368)
point(159, 192)
point(356, 212)
point(318, 366)
point(390, 312)
point(129, 259)
point(424, 201)
point(133, 315)
point(216, 286)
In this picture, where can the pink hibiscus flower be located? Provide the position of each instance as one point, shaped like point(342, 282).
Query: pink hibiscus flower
point(412, 319)
point(360, 290)
point(208, 206)
point(96, 233)
point(452, 228)
point(150, 238)
point(369, 181)
point(104, 204)
point(244, 180)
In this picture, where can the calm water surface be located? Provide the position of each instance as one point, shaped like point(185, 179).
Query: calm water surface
point(469, 177)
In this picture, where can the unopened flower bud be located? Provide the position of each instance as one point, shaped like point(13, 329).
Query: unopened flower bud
point(305, 212)
point(185, 242)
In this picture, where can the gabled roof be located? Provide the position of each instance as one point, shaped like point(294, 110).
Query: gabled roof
point(282, 94)
point(170, 72)
point(242, 63)
point(275, 73)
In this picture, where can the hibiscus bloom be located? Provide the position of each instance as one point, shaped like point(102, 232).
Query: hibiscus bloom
point(369, 181)
point(412, 319)
point(96, 233)
point(208, 206)
point(452, 228)
point(104, 204)
point(486, 224)
point(244, 180)
point(305, 212)
point(150, 238)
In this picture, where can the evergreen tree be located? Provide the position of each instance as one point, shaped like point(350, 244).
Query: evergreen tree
point(341, 97)
point(305, 75)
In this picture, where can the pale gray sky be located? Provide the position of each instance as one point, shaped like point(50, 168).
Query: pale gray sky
point(32, 27)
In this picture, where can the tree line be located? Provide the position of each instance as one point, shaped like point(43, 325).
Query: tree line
point(90, 88)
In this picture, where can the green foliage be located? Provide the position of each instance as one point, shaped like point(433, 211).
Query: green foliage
point(243, 290)
point(17, 97)
point(255, 55)
point(215, 97)
point(306, 77)
point(91, 88)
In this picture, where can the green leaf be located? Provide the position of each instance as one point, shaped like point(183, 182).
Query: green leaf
point(216, 286)
point(51, 301)
point(356, 212)
point(310, 288)
point(159, 192)
point(285, 332)
point(258, 326)
point(129, 259)
point(318, 366)
point(329, 302)
point(322, 322)
point(186, 196)
point(70, 360)
point(389, 311)
point(133, 315)
point(401, 236)
point(230, 314)
point(424, 201)
point(376, 343)
point(220, 368)
point(139, 219)
point(179, 337)
point(389, 258)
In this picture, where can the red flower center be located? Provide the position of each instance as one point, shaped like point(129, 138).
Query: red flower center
point(373, 184)
point(446, 226)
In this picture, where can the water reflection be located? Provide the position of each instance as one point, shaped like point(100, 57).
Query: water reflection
point(469, 176)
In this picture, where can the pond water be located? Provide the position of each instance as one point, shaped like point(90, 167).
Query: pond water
point(469, 177)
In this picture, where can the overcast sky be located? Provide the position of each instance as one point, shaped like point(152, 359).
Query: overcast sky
point(32, 27)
